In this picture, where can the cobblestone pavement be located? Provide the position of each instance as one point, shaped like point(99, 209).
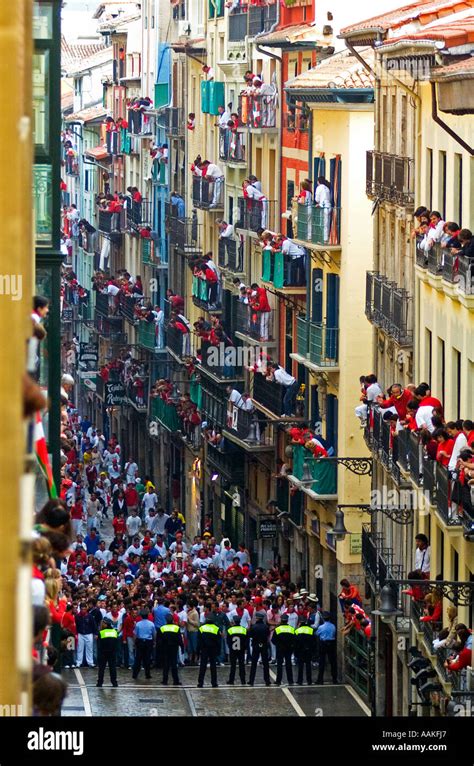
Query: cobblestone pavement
point(150, 698)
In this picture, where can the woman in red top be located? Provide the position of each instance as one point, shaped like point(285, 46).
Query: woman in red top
point(445, 446)
point(464, 658)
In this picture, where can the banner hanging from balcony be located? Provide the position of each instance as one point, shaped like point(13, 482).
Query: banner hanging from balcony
point(42, 456)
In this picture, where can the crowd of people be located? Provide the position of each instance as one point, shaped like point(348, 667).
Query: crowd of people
point(116, 582)
point(432, 230)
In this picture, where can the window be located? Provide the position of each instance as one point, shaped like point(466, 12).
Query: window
point(457, 211)
point(456, 376)
point(428, 355)
point(231, 210)
point(290, 193)
point(442, 184)
point(440, 381)
point(429, 178)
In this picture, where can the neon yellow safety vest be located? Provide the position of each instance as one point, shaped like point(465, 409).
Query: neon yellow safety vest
point(108, 633)
point(284, 629)
point(237, 630)
point(169, 628)
point(305, 629)
point(209, 628)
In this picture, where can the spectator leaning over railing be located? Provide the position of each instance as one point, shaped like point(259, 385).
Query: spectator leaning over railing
point(372, 391)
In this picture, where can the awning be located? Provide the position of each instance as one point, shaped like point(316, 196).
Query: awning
point(97, 153)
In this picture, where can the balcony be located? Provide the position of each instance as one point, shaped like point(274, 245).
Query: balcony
point(72, 166)
point(390, 178)
point(255, 214)
point(227, 461)
point(147, 337)
point(113, 142)
point(184, 233)
point(444, 486)
point(318, 225)
point(224, 364)
point(283, 272)
point(165, 413)
point(202, 296)
point(253, 324)
point(231, 254)
point(324, 473)
point(377, 559)
point(317, 344)
point(232, 147)
point(127, 305)
point(389, 307)
point(181, 345)
point(268, 394)
point(456, 270)
point(238, 26)
point(137, 393)
point(258, 112)
point(208, 195)
point(139, 214)
point(140, 124)
point(148, 253)
point(107, 306)
point(88, 240)
point(250, 430)
point(111, 224)
point(261, 19)
point(216, 9)
point(118, 70)
point(175, 122)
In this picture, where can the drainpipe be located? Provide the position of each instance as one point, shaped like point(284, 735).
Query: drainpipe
point(442, 124)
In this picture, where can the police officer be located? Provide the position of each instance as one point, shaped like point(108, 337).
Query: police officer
point(259, 634)
point(209, 645)
point(304, 646)
point(237, 643)
point(171, 641)
point(107, 651)
point(144, 633)
point(284, 640)
point(327, 648)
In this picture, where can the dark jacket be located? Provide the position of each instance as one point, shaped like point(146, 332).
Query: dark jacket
point(284, 642)
point(86, 624)
point(304, 643)
point(106, 646)
point(258, 634)
point(210, 642)
point(170, 640)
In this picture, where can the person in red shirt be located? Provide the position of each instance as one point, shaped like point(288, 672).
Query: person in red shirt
point(128, 626)
point(399, 398)
point(468, 428)
point(119, 524)
point(132, 498)
point(445, 446)
point(464, 658)
point(349, 592)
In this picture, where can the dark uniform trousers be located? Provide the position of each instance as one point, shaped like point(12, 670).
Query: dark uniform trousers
point(107, 656)
point(143, 650)
point(211, 657)
point(170, 662)
point(304, 661)
point(284, 657)
point(327, 649)
point(237, 657)
point(260, 650)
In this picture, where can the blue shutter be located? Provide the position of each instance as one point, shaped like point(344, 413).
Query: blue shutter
point(332, 316)
point(163, 77)
point(317, 296)
point(331, 420)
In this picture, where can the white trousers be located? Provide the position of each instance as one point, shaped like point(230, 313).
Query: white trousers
point(361, 412)
point(85, 641)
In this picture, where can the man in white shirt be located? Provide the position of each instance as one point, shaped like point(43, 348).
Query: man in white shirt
point(149, 501)
point(151, 521)
point(295, 262)
point(134, 549)
point(131, 471)
point(253, 193)
point(422, 555)
point(214, 175)
point(92, 510)
point(436, 229)
point(280, 375)
point(103, 555)
point(456, 432)
point(162, 518)
point(372, 391)
point(133, 524)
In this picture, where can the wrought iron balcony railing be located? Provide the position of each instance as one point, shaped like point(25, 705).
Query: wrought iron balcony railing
point(318, 343)
point(390, 177)
point(282, 270)
point(231, 254)
point(127, 305)
point(175, 124)
point(139, 214)
point(220, 361)
point(253, 430)
point(256, 214)
point(258, 112)
point(323, 472)
point(232, 146)
point(297, 120)
point(389, 307)
point(182, 345)
point(256, 324)
point(203, 295)
point(107, 305)
point(208, 195)
point(111, 224)
point(268, 394)
point(184, 233)
point(140, 123)
point(149, 336)
point(88, 240)
point(318, 225)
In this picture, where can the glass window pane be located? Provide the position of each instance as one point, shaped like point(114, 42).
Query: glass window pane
point(42, 192)
point(42, 21)
point(41, 101)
